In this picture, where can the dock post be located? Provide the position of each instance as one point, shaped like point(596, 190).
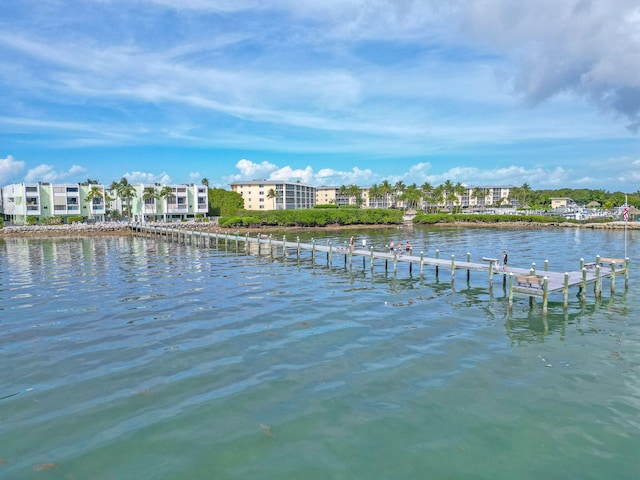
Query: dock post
point(510, 289)
point(597, 259)
point(545, 294)
point(598, 285)
point(490, 274)
point(371, 261)
point(313, 251)
point(284, 246)
point(613, 278)
point(453, 267)
point(330, 255)
point(226, 241)
point(533, 268)
point(437, 256)
point(626, 274)
point(546, 265)
point(270, 245)
point(581, 264)
point(421, 262)
point(298, 246)
point(565, 290)
point(583, 285)
point(468, 261)
point(257, 237)
point(395, 260)
point(246, 242)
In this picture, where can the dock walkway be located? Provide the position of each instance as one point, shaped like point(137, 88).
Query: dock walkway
point(522, 281)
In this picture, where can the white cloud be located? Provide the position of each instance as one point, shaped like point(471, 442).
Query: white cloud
point(250, 170)
point(10, 168)
point(148, 178)
point(47, 173)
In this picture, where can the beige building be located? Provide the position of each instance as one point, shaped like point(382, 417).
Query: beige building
point(562, 203)
point(275, 194)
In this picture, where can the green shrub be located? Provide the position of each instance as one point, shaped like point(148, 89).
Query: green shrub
point(32, 220)
point(328, 205)
point(74, 219)
point(51, 221)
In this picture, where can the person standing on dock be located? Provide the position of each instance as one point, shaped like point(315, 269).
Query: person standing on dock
point(504, 261)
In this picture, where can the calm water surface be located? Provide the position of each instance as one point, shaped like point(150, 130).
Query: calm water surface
point(131, 358)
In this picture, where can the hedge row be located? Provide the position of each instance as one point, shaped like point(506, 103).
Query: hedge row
point(313, 218)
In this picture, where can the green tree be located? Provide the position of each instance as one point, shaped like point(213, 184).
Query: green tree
point(149, 197)
point(164, 194)
point(375, 195)
point(96, 195)
point(274, 195)
point(225, 203)
point(387, 192)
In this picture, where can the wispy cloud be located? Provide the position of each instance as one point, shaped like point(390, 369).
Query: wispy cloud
point(48, 173)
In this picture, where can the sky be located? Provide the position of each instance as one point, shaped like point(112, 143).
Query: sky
point(331, 92)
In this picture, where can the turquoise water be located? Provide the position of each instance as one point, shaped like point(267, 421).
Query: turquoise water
point(131, 358)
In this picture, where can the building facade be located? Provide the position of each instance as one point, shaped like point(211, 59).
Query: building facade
point(275, 194)
point(24, 203)
point(278, 195)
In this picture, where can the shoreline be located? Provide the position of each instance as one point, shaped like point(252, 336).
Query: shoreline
point(123, 229)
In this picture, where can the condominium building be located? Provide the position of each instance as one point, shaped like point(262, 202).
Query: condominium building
point(472, 197)
point(275, 194)
point(278, 195)
point(24, 202)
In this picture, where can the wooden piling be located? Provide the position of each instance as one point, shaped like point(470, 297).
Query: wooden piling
point(510, 288)
point(613, 278)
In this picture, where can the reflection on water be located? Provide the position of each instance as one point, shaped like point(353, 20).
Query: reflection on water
point(185, 362)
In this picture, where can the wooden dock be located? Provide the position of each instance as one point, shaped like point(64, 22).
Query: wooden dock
point(521, 281)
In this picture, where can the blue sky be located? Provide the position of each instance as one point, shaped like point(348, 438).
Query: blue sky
point(332, 92)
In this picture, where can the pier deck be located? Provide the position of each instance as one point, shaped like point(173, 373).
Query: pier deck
point(522, 281)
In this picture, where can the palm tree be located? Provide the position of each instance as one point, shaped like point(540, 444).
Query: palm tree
point(398, 190)
point(205, 182)
point(274, 195)
point(479, 195)
point(149, 197)
point(165, 193)
point(127, 192)
point(448, 191)
point(95, 192)
point(387, 192)
point(437, 195)
point(526, 191)
point(411, 196)
point(426, 191)
point(375, 194)
point(354, 191)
